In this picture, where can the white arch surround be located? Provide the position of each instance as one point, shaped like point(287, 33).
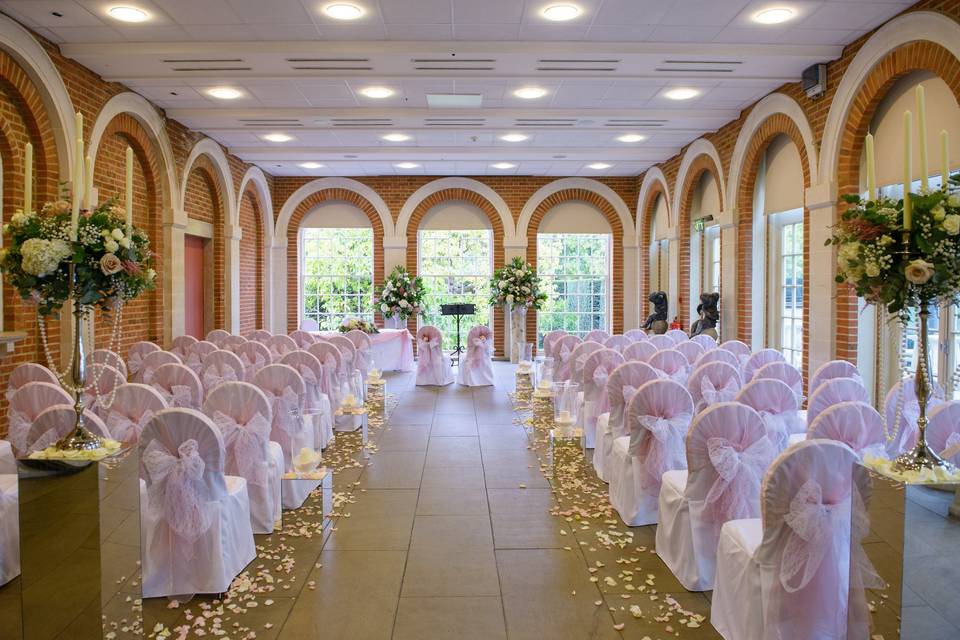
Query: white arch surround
point(321, 184)
point(587, 184)
point(255, 176)
point(469, 184)
point(652, 177)
point(33, 59)
point(215, 152)
point(699, 147)
point(910, 27)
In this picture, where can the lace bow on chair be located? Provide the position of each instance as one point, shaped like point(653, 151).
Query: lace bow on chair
point(246, 443)
point(194, 361)
point(628, 391)
point(735, 493)
point(309, 377)
point(815, 529)
point(176, 488)
point(257, 363)
point(284, 403)
point(600, 377)
point(179, 395)
point(667, 446)
point(134, 362)
point(712, 394)
point(124, 428)
point(218, 374)
point(479, 350)
point(19, 427)
point(777, 427)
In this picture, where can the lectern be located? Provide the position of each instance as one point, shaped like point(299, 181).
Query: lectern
point(457, 311)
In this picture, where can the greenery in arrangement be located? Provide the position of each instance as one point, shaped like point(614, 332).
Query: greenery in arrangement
point(516, 284)
point(573, 269)
point(401, 294)
point(899, 267)
point(337, 275)
point(358, 325)
point(113, 264)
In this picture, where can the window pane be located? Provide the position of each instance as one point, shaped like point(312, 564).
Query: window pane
point(575, 283)
point(337, 275)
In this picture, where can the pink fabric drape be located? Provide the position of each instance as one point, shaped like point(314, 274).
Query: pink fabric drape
point(778, 408)
point(833, 369)
point(29, 372)
point(856, 424)
point(639, 351)
point(133, 406)
point(658, 417)
point(713, 382)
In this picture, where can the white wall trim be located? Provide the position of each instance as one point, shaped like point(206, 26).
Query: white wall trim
point(199, 228)
point(321, 184)
point(469, 184)
point(652, 176)
point(33, 59)
point(699, 147)
point(215, 152)
point(255, 176)
point(587, 184)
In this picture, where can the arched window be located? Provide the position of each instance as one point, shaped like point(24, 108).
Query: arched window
point(704, 240)
point(455, 260)
point(574, 261)
point(659, 261)
point(336, 265)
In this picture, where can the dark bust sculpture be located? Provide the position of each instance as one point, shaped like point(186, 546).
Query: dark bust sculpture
point(657, 321)
point(709, 315)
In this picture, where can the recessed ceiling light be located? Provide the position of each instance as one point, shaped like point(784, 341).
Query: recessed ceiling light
point(311, 165)
point(561, 12)
point(631, 137)
point(376, 92)
point(682, 93)
point(224, 93)
point(599, 165)
point(277, 137)
point(514, 137)
point(395, 137)
point(406, 165)
point(503, 165)
point(774, 15)
point(530, 93)
point(343, 11)
point(128, 14)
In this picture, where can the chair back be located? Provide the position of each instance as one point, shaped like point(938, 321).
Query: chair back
point(197, 353)
point(348, 352)
point(153, 361)
point(363, 344)
point(760, 359)
point(303, 338)
point(310, 369)
point(217, 336)
point(136, 354)
point(705, 341)
point(219, 367)
point(813, 509)
point(856, 424)
point(621, 385)
point(740, 349)
point(58, 421)
point(181, 345)
point(713, 382)
point(563, 356)
point(661, 341)
point(636, 335)
point(784, 372)
point(617, 343)
point(677, 335)
point(242, 414)
point(133, 406)
point(690, 350)
point(329, 358)
point(28, 402)
point(579, 358)
point(254, 356)
point(671, 364)
point(284, 389)
point(718, 355)
point(658, 417)
point(943, 431)
point(834, 391)
point(640, 351)
point(109, 358)
point(479, 345)
point(833, 369)
point(902, 395)
point(178, 385)
point(596, 373)
point(102, 379)
point(29, 372)
point(260, 335)
point(230, 343)
point(549, 340)
point(280, 346)
point(597, 335)
point(778, 407)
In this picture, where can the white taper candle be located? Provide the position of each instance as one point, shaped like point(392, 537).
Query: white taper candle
point(871, 168)
point(944, 157)
point(922, 131)
point(907, 170)
point(129, 192)
point(28, 178)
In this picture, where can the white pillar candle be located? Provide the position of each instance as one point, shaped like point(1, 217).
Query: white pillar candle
point(77, 189)
point(88, 202)
point(944, 157)
point(129, 194)
point(871, 168)
point(28, 178)
point(907, 172)
point(922, 130)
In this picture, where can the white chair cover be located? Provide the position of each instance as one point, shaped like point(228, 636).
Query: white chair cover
point(705, 341)
point(102, 379)
point(677, 335)
point(549, 340)
point(617, 343)
point(181, 346)
point(242, 414)
point(8, 462)
point(317, 409)
point(29, 372)
point(943, 431)
point(330, 360)
point(661, 341)
point(219, 367)
point(713, 382)
point(636, 335)
point(833, 369)
point(786, 373)
point(778, 408)
point(303, 338)
point(563, 357)
point(58, 421)
point(476, 368)
point(433, 367)
point(254, 356)
point(363, 343)
point(640, 351)
point(759, 359)
point(855, 424)
point(136, 354)
point(690, 350)
point(153, 361)
point(621, 385)
point(196, 535)
point(671, 364)
point(833, 391)
point(217, 336)
point(348, 353)
point(596, 371)
point(109, 358)
point(28, 402)
point(740, 350)
point(658, 417)
point(260, 335)
point(579, 358)
point(179, 386)
point(597, 335)
point(280, 346)
point(9, 528)
point(197, 353)
point(788, 575)
point(134, 404)
point(230, 343)
point(719, 355)
point(906, 431)
point(727, 454)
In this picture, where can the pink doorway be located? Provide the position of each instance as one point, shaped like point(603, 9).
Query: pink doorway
point(194, 299)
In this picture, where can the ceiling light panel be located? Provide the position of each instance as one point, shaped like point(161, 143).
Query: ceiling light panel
point(561, 12)
point(128, 13)
point(343, 11)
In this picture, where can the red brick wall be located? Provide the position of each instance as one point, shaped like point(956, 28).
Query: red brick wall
point(251, 262)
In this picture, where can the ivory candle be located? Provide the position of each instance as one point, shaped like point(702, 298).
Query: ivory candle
point(907, 171)
point(922, 130)
point(944, 158)
point(28, 178)
point(871, 168)
point(88, 203)
point(129, 194)
point(77, 188)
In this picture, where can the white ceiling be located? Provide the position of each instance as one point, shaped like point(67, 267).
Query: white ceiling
point(300, 72)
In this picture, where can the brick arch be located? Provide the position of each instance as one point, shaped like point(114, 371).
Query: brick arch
point(914, 56)
point(251, 260)
point(703, 163)
point(616, 229)
point(204, 201)
point(293, 229)
point(646, 212)
point(472, 197)
point(776, 125)
point(143, 317)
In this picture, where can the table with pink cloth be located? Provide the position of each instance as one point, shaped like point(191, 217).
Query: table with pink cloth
point(392, 348)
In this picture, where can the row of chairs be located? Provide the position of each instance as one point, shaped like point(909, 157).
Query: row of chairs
point(475, 367)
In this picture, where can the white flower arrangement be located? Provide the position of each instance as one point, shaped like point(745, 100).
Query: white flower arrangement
point(401, 295)
point(516, 284)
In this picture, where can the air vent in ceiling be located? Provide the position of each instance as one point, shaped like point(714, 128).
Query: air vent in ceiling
point(578, 64)
point(270, 122)
point(212, 69)
point(365, 123)
point(545, 122)
point(330, 64)
point(454, 122)
point(699, 66)
point(451, 64)
point(631, 122)
point(201, 60)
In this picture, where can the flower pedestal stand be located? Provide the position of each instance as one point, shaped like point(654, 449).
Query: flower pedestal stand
point(394, 322)
point(518, 332)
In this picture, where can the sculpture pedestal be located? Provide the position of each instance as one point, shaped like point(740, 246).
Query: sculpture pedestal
point(518, 332)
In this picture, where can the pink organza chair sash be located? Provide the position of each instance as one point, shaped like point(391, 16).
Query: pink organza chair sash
point(245, 443)
point(943, 430)
point(621, 385)
point(550, 340)
point(177, 489)
point(713, 393)
point(817, 529)
point(856, 424)
point(56, 422)
point(758, 360)
point(138, 351)
point(29, 372)
point(784, 372)
point(734, 494)
point(125, 428)
point(26, 404)
point(284, 403)
point(658, 415)
point(636, 335)
point(218, 373)
point(253, 361)
point(153, 361)
point(834, 369)
point(777, 405)
point(671, 364)
point(480, 349)
point(639, 351)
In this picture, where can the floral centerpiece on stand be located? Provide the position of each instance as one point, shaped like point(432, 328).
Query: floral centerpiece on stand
point(516, 287)
point(401, 296)
point(355, 324)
